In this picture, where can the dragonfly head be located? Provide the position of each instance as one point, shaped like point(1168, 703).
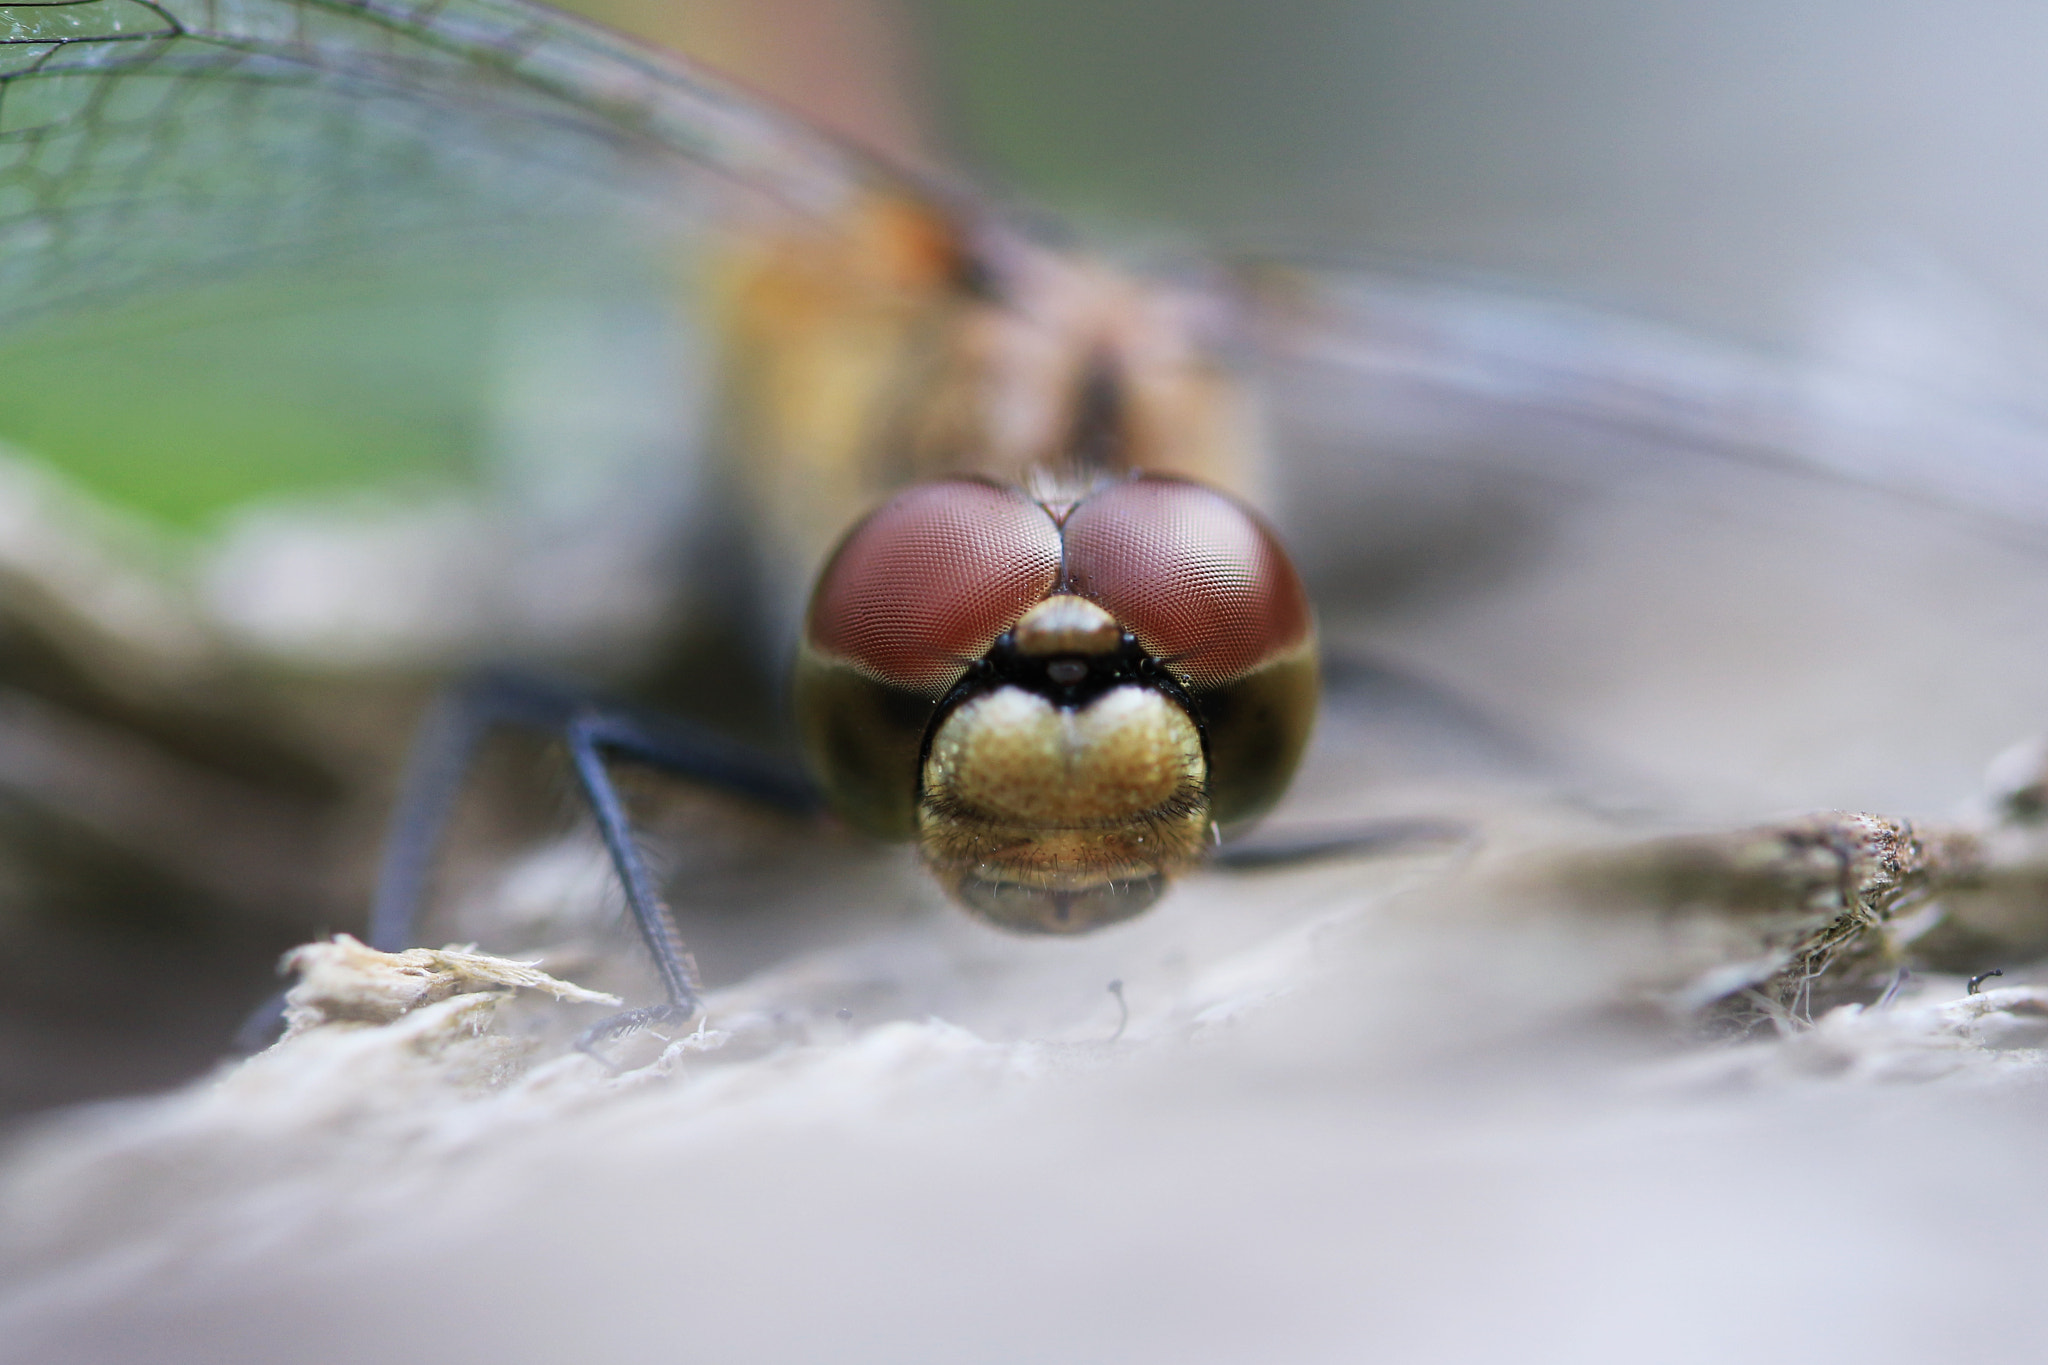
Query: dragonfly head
point(1059, 700)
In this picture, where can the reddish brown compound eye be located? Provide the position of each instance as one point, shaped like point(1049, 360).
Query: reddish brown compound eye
point(930, 579)
point(1199, 579)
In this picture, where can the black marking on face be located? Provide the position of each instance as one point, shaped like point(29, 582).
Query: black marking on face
point(1069, 681)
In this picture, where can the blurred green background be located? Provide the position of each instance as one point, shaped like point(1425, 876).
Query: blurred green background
point(194, 404)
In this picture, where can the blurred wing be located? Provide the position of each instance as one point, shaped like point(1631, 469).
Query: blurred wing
point(141, 138)
point(1716, 580)
point(1419, 371)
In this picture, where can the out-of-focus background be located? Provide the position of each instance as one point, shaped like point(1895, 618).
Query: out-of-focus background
point(1835, 178)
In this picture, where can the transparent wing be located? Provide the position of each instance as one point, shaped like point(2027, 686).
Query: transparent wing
point(142, 138)
point(1420, 370)
point(1721, 580)
point(250, 247)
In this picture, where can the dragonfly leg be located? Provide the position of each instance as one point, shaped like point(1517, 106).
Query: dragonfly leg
point(589, 736)
point(442, 752)
point(1366, 839)
point(594, 732)
point(630, 1021)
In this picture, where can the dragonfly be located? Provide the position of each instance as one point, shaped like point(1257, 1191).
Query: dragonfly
point(836, 330)
point(1060, 663)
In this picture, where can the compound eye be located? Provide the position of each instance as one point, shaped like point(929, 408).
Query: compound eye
point(1196, 576)
point(930, 579)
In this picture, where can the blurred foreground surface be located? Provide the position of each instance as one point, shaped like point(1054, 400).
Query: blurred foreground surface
point(1350, 1117)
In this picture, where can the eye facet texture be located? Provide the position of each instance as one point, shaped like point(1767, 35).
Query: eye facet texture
point(1201, 582)
point(929, 581)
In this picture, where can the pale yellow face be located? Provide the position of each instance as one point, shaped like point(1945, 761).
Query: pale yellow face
point(1058, 819)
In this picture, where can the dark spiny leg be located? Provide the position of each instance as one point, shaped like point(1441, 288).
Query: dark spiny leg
point(440, 761)
point(1366, 839)
point(261, 1028)
point(677, 749)
point(689, 752)
point(441, 755)
point(442, 751)
point(448, 741)
point(588, 736)
point(665, 744)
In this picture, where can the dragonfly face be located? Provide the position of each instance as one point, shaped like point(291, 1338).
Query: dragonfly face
point(1058, 696)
